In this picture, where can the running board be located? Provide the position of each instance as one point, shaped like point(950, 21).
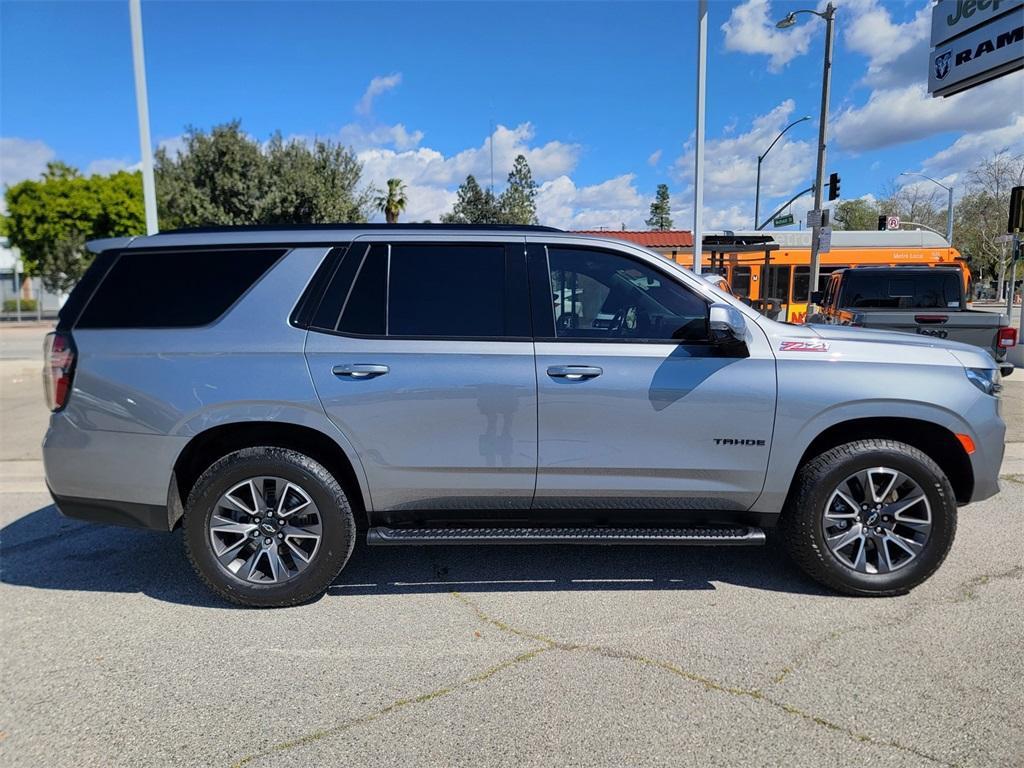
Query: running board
point(694, 536)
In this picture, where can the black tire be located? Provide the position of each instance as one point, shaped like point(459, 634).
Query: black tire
point(802, 524)
point(337, 523)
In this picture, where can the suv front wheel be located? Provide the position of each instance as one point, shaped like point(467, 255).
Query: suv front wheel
point(871, 517)
point(268, 527)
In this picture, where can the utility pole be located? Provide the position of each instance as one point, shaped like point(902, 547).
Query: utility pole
point(829, 15)
point(142, 105)
point(698, 163)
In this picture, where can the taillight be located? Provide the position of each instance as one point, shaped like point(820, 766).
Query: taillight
point(58, 369)
point(1007, 337)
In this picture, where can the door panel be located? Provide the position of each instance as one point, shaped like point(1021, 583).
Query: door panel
point(440, 420)
point(642, 433)
point(657, 417)
point(450, 425)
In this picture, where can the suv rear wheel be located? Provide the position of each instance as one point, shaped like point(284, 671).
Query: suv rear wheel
point(268, 527)
point(871, 517)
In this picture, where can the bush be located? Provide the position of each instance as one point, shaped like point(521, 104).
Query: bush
point(27, 305)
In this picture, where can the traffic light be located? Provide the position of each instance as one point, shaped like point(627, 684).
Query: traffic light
point(833, 186)
point(881, 223)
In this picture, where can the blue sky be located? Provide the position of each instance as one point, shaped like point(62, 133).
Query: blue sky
point(598, 95)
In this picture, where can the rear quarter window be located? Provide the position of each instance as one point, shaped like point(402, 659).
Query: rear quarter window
point(174, 289)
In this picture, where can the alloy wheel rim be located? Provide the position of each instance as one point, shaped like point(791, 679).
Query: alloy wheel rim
point(877, 521)
point(265, 530)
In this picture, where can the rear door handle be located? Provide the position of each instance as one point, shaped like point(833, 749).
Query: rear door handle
point(574, 372)
point(360, 370)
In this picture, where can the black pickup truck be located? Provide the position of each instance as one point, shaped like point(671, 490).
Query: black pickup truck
point(925, 300)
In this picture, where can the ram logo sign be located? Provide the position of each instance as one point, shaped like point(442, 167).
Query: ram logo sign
point(974, 41)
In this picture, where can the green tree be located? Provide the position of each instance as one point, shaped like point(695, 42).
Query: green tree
point(979, 218)
point(50, 220)
point(518, 203)
point(392, 203)
point(225, 177)
point(661, 210)
point(473, 205)
point(857, 214)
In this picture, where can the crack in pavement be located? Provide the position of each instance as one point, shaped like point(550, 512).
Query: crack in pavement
point(309, 738)
point(707, 682)
point(966, 591)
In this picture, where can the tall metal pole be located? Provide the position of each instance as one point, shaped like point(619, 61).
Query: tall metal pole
point(949, 217)
point(760, 159)
point(757, 194)
point(142, 104)
point(698, 163)
point(826, 87)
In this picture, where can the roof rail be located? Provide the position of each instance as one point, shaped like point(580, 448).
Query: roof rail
point(348, 226)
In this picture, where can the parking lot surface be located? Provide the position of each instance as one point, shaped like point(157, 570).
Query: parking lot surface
point(112, 654)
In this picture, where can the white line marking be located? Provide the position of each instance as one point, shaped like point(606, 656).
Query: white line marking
point(452, 583)
point(612, 581)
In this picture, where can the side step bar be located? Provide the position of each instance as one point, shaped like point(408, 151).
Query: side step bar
point(698, 535)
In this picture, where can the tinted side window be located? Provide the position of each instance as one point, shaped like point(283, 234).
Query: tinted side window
point(365, 310)
point(741, 281)
point(601, 295)
point(447, 290)
point(173, 289)
point(328, 312)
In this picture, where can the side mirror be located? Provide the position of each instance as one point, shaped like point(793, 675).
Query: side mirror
point(817, 296)
point(726, 323)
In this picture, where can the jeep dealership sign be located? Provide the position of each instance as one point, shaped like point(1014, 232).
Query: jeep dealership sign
point(974, 41)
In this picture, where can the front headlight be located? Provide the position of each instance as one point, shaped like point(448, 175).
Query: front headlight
point(987, 380)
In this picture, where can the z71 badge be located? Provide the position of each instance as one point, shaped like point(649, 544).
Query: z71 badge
point(804, 345)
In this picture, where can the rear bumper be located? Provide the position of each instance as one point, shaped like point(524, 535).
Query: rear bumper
point(117, 478)
point(110, 512)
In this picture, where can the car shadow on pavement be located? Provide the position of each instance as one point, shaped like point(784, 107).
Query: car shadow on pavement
point(47, 551)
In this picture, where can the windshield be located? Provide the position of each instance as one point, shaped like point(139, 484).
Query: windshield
point(926, 290)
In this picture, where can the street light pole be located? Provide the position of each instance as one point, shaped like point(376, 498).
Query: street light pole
point(142, 106)
point(829, 15)
point(760, 158)
point(949, 204)
point(698, 155)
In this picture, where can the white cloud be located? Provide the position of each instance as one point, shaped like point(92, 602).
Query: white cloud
point(869, 29)
point(907, 113)
point(608, 205)
point(730, 171)
point(363, 137)
point(424, 165)
point(971, 148)
point(751, 29)
point(654, 158)
point(108, 165)
point(22, 159)
point(378, 85)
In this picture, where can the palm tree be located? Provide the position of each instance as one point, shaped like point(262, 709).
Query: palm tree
point(393, 203)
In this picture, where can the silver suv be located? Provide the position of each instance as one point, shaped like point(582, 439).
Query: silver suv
point(278, 391)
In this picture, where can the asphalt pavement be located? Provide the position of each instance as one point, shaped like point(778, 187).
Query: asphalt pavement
point(112, 654)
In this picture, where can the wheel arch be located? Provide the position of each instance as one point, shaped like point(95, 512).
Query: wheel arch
point(934, 440)
point(213, 443)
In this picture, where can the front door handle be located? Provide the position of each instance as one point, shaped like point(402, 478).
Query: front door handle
point(574, 372)
point(360, 371)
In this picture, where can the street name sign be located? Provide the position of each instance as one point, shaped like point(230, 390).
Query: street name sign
point(974, 41)
point(783, 221)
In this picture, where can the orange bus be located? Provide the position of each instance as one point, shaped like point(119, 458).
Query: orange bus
point(772, 269)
